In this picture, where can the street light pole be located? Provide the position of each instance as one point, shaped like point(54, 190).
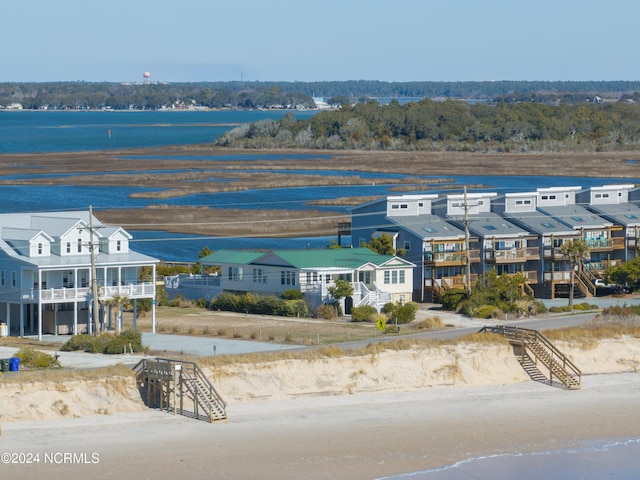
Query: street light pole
point(94, 281)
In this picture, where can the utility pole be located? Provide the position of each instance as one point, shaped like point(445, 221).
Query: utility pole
point(94, 281)
point(466, 243)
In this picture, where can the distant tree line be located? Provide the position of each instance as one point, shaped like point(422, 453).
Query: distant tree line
point(83, 95)
point(95, 95)
point(451, 125)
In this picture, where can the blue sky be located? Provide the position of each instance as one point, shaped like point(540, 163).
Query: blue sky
point(317, 40)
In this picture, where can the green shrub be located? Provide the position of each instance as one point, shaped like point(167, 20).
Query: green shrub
point(201, 303)
point(452, 298)
point(105, 343)
point(488, 311)
point(31, 358)
point(229, 302)
point(294, 308)
point(328, 312)
point(365, 313)
point(81, 341)
point(406, 313)
point(292, 294)
point(389, 307)
point(578, 306)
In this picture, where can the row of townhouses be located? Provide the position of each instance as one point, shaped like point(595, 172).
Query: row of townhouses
point(511, 233)
point(48, 263)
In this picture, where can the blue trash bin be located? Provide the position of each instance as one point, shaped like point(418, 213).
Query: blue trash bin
point(14, 364)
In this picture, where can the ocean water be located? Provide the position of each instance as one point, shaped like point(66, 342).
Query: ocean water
point(611, 460)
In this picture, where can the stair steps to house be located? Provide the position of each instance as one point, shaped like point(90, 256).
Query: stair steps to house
point(179, 387)
point(540, 358)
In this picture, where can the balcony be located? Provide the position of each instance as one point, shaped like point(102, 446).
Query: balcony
point(81, 294)
point(514, 255)
point(600, 244)
point(451, 259)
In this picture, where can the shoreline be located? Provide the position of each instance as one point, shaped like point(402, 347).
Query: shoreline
point(385, 414)
point(344, 437)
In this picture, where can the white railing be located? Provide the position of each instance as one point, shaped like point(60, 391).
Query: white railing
point(140, 290)
point(61, 295)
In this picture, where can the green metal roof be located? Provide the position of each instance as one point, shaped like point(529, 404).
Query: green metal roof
point(232, 256)
point(310, 258)
point(332, 257)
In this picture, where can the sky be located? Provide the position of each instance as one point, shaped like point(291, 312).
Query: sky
point(318, 40)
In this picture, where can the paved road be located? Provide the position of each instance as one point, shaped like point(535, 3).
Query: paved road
point(209, 346)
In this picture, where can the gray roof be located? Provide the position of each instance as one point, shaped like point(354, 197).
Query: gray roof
point(627, 214)
point(23, 226)
point(539, 223)
point(489, 224)
point(576, 217)
point(428, 227)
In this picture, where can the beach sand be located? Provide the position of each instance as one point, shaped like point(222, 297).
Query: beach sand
point(345, 418)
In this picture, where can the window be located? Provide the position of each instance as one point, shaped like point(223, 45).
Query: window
point(401, 276)
point(404, 205)
point(68, 247)
point(395, 207)
point(394, 276)
point(39, 248)
point(14, 281)
point(387, 277)
point(287, 278)
point(308, 277)
point(118, 245)
point(1, 278)
point(315, 277)
point(235, 273)
point(364, 277)
point(79, 245)
point(407, 245)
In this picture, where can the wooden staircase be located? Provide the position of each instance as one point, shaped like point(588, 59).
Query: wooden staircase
point(536, 351)
point(166, 384)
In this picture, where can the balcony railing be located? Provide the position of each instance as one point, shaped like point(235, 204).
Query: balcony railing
point(451, 258)
point(564, 276)
point(81, 294)
point(513, 255)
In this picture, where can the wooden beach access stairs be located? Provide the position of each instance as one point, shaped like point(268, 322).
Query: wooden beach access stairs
point(539, 357)
point(179, 387)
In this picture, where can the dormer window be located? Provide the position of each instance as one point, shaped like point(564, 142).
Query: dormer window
point(40, 248)
point(118, 245)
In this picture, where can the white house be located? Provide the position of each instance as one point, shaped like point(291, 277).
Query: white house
point(46, 262)
point(377, 279)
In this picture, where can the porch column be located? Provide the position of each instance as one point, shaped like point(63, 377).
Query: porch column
point(8, 317)
point(153, 299)
point(39, 320)
point(75, 315)
point(135, 314)
point(21, 319)
point(32, 318)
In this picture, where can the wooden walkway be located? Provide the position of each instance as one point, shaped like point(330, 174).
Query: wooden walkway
point(179, 387)
point(539, 357)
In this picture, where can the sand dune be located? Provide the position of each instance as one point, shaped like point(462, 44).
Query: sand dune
point(349, 418)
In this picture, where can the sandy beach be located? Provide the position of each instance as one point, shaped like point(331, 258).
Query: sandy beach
point(348, 418)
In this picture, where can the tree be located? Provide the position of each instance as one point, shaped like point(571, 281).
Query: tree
point(196, 268)
point(341, 290)
point(575, 251)
point(383, 245)
point(118, 302)
point(627, 273)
